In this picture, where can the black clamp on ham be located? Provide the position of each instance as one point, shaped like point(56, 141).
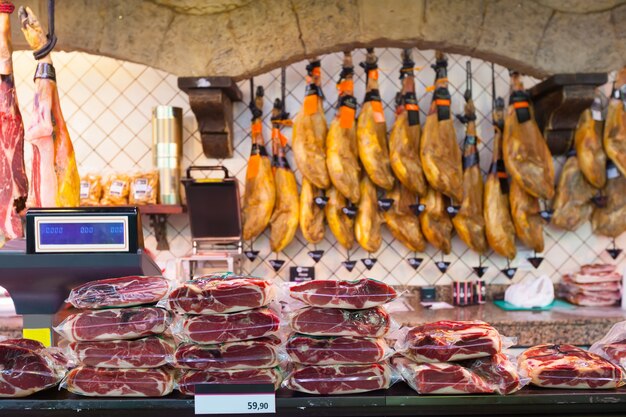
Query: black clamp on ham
point(442, 100)
point(521, 103)
point(500, 170)
point(471, 159)
point(45, 71)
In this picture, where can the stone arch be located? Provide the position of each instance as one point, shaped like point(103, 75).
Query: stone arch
point(240, 38)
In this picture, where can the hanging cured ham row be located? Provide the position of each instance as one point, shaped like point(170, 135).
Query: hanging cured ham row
point(13, 181)
point(310, 130)
point(371, 130)
point(589, 149)
point(469, 222)
point(260, 191)
point(615, 126)
point(404, 139)
point(498, 223)
point(285, 218)
point(54, 180)
point(342, 155)
point(439, 151)
point(526, 154)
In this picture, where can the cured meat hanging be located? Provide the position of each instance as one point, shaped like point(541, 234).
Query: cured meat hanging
point(469, 222)
point(526, 154)
point(371, 131)
point(260, 190)
point(310, 130)
point(589, 149)
point(356, 294)
point(401, 219)
point(498, 222)
point(404, 139)
point(285, 218)
point(54, 180)
point(439, 152)
point(342, 154)
point(367, 227)
point(610, 220)
point(311, 215)
point(572, 205)
point(615, 125)
point(435, 221)
point(526, 218)
point(13, 181)
point(339, 223)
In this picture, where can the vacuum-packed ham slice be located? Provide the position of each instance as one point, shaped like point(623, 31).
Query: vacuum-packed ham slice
point(597, 269)
point(357, 294)
point(101, 382)
point(119, 292)
point(613, 345)
point(149, 352)
point(594, 274)
point(339, 379)
point(445, 341)
point(113, 324)
point(569, 367)
point(334, 350)
point(26, 368)
point(219, 328)
point(190, 378)
point(13, 180)
point(499, 372)
point(372, 322)
point(218, 294)
point(441, 378)
point(591, 300)
point(248, 354)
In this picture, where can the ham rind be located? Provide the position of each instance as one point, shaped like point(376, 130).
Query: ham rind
point(150, 352)
point(220, 295)
point(372, 322)
point(190, 378)
point(114, 324)
point(441, 378)
point(13, 180)
point(569, 367)
point(339, 379)
point(357, 294)
point(100, 382)
point(119, 292)
point(249, 354)
point(320, 350)
point(446, 341)
point(219, 328)
point(24, 371)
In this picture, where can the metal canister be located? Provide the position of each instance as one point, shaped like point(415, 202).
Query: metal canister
point(167, 151)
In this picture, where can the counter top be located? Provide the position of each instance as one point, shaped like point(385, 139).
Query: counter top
point(578, 325)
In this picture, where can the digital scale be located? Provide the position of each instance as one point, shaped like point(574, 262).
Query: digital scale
point(65, 247)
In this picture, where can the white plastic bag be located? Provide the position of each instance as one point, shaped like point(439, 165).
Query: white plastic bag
point(531, 292)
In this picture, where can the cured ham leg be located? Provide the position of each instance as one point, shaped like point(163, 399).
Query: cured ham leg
point(615, 127)
point(54, 181)
point(340, 224)
point(435, 221)
point(368, 220)
point(526, 154)
point(572, 204)
point(589, 150)
point(13, 181)
point(401, 219)
point(611, 220)
point(526, 218)
point(311, 215)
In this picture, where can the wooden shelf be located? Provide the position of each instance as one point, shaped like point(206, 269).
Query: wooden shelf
point(162, 209)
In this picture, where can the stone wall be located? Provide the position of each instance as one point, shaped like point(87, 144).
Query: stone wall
point(241, 38)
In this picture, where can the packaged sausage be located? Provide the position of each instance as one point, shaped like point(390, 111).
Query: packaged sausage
point(115, 190)
point(144, 187)
point(90, 190)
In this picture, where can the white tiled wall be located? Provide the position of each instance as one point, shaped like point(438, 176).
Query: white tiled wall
point(107, 104)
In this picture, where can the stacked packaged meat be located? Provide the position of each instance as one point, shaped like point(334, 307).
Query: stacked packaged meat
point(117, 338)
point(593, 285)
point(227, 331)
point(338, 344)
point(456, 357)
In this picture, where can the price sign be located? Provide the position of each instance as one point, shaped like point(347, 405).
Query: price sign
point(235, 399)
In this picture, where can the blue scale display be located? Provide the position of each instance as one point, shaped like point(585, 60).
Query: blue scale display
point(82, 233)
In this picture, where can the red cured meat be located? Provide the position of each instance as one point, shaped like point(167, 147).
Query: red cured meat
point(446, 341)
point(372, 322)
point(100, 382)
point(219, 328)
point(113, 324)
point(25, 343)
point(24, 371)
point(616, 351)
point(331, 350)
point(599, 269)
point(339, 379)
point(570, 367)
point(190, 378)
point(248, 354)
point(592, 287)
point(357, 294)
point(592, 300)
point(150, 352)
point(220, 295)
point(119, 292)
point(497, 371)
